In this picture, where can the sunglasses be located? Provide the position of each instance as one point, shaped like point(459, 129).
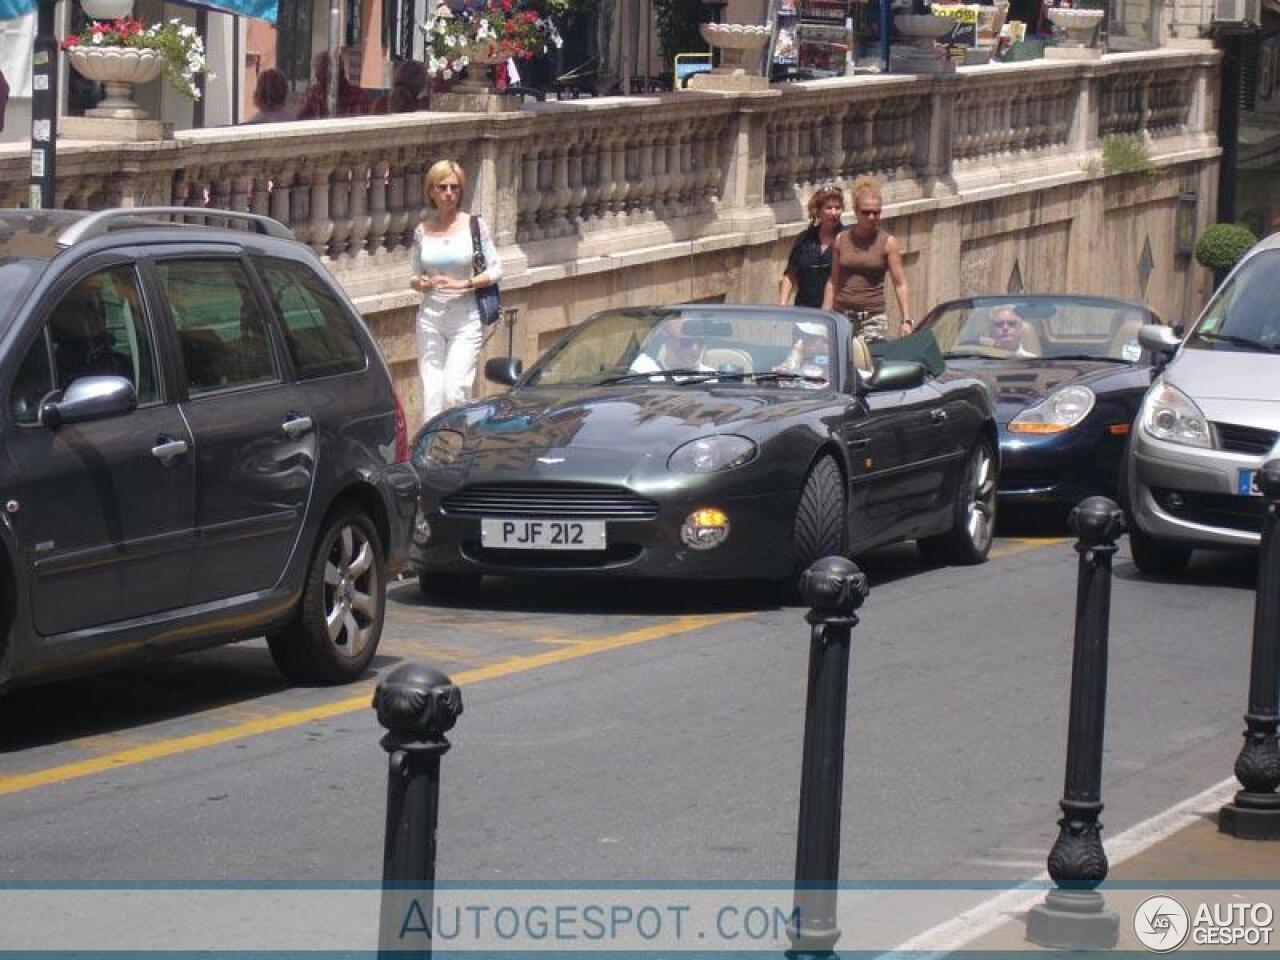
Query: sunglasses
point(448, 188)
point(1006, 324)
point(868, 213)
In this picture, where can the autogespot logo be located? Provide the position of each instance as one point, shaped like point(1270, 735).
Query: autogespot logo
point(1161, 924)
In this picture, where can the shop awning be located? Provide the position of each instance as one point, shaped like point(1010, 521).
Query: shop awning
point(257, 9)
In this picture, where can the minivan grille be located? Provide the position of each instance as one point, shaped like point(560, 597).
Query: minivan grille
point(1238, 439)
point(576, 501)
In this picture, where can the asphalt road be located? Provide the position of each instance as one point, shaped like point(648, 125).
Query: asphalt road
point(644, 732)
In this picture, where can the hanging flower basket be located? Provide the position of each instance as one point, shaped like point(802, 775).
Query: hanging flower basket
point(123, 52)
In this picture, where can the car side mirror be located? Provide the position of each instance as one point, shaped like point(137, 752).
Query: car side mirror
point(895, 375)
point(504, 370)
point(89, 398)
point(1160, 341)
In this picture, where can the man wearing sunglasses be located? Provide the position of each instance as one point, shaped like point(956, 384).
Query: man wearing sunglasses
point(1006, 332)
point(673, 346)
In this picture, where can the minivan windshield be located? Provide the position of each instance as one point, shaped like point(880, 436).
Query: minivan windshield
point(1243, 315)
point(16, 277)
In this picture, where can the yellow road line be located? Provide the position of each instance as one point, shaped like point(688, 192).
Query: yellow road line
point(1013, 547)
point(293, 718)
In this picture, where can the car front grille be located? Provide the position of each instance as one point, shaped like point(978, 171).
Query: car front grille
point(1213, 509)
point(1251, 440)
point(571, 501)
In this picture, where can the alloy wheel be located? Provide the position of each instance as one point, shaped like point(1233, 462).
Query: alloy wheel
point(981, 509)
point(351, 591)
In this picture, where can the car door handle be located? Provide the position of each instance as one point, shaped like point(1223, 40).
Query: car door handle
point(296, 427)
point(938, 416)
point(167, 449)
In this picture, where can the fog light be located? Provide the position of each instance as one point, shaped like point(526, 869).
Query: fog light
point(421, 529)
point(704, 529)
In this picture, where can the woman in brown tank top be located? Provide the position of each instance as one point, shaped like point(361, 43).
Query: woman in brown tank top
point(863, 256)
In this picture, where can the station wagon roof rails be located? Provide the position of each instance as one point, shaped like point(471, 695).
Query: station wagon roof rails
point(100, 222)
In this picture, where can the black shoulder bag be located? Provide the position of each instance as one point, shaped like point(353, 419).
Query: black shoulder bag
point(487, 298)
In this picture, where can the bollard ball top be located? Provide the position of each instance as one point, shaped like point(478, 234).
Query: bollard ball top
point(1269, 479)
point(1097, 521)
point(417, 700)
point(834, 585)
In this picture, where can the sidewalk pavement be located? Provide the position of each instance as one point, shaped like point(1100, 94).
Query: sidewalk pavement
point(1195, 864)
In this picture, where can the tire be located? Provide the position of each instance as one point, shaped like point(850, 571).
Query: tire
point(346, 584)
point(1157, 558)
point(819, 527)
point(448, 586)
point(969, 539)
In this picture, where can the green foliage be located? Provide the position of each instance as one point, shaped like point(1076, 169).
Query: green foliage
point(1222, 245)
point(1121, 154)
point(677, 22)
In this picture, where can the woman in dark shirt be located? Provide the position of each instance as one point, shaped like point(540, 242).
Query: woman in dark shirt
point(809, 264)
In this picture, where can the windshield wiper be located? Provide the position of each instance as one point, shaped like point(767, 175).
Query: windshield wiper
point(767, 376)
point(1240, 342)
point(1083, 356)
point(684, 373)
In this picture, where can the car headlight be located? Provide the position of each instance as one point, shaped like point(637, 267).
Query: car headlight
point(1059, 411)
point(712, 454)
point(1169, 414)
point(438, 448)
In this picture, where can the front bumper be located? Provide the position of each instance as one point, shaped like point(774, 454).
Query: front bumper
point(1060, 468)
point(758, 545)
point(1190, 495)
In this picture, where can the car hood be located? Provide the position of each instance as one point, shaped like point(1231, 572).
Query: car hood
point(1018, 383)
point(607, 428)
point(1230, 386)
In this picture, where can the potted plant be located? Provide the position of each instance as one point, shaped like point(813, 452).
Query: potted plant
point(121, 53)
point(482, 34)
point(1221, 246)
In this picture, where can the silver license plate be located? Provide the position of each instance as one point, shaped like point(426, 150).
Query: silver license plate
point(505, 533)
point(1247, 484)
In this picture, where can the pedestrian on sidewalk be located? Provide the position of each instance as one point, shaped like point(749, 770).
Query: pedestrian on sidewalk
point(863, 255)
point(449, 327)
point(809, 264)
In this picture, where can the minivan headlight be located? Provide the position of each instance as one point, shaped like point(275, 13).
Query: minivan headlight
point(437, 448)
point(1169, 414)
point(712, 454)
point(1059, 411)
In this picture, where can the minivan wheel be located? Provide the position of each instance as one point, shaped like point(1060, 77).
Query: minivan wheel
point(969, 539)
point(335, 632)
point(1157, 558)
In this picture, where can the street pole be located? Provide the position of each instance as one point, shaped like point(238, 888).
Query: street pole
point(1255, 812)
point(1074, 916)
point(417, 705)
point(44, 109)
point(834, 588)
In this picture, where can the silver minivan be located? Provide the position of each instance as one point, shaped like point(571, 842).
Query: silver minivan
point(1209, 422)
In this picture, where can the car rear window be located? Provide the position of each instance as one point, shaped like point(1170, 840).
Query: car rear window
point(318, 327)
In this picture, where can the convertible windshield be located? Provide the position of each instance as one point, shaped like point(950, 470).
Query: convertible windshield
point(1041, 327)
point(1243, 314)
point(691, 347)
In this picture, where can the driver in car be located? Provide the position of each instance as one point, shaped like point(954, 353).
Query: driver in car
point(1006, 332)
point(675, 345)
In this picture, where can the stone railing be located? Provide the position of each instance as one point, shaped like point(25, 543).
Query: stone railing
point(561, 182)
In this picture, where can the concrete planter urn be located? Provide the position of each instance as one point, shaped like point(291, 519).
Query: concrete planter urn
point(106, 9)
point(477, 80)
point(922, 30)
point(1080, 25)
point(734, 41)
point(117, 69)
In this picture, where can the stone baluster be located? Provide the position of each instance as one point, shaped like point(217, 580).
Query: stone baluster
point(833, 159)
point(300, 203)
point(260, 194)
point(240, 193)
point(379, 216)
point(680, 177)
point(577, 187)
point(527, 197)
point(601, 165)
point(711, 164)
point(281, 193)
point(662, 207)
point(321, 224)
point(398, 214)
point(358, 208)
point(340, 208)
point(559, 199)
point(618, 184)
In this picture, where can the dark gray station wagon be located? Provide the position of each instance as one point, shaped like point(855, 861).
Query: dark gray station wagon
point(199, 443)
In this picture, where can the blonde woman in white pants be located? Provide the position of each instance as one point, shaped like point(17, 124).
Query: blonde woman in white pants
point(449, 328)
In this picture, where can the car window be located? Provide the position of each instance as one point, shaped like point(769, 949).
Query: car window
point(317, 326)
point(1243, 311)
point(221, 334)
point(97, 328)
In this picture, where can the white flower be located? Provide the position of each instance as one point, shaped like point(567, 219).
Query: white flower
point(97, 38)
point(448, 74)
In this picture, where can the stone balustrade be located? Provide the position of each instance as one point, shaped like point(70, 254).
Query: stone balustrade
point(577, 189)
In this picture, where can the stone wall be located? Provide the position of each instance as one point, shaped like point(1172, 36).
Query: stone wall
point(993, 178)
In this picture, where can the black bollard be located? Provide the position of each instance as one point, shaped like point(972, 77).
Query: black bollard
point(1075, 916)
point(834, 588)
point(417, 704)
point(1255, 812)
